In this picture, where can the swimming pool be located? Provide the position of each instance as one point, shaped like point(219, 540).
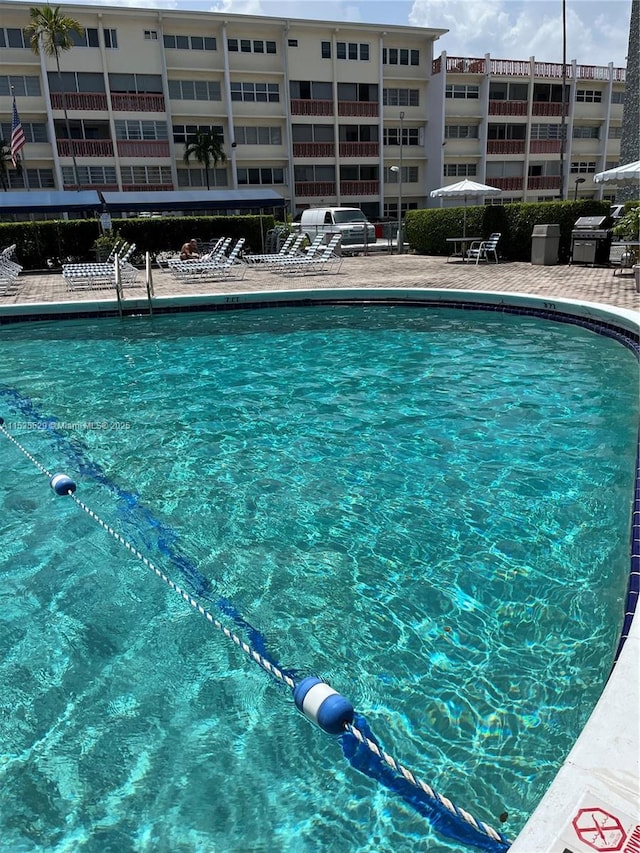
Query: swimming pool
point(444, 540)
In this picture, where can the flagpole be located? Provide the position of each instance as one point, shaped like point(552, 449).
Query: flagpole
point(18, 142)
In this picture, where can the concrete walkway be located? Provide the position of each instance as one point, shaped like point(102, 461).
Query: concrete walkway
point(376, 270)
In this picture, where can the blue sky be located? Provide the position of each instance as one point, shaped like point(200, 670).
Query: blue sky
point(597, 30)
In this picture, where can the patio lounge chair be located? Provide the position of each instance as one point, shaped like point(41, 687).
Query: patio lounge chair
point(100, 276)
point(481, 249)
point(289, 247)
point(322, 260)
point(220, 266)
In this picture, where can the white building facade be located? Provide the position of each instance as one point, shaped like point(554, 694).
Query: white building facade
point(318, 111)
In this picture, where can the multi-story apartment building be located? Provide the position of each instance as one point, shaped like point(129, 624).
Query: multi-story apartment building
point(319, 111)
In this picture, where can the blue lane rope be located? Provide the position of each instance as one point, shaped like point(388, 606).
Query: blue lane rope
point(321, 704)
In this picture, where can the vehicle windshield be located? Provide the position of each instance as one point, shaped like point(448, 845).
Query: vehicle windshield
point(342, 216)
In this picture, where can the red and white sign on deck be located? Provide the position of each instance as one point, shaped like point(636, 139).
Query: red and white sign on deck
point(599, 829)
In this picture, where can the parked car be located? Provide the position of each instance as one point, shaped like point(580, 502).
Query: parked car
point(350, 222)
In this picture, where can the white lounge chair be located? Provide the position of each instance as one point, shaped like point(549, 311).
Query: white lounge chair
point(221, 266)
point(323, 260)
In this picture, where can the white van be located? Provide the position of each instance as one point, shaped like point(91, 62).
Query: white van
point(350, 222)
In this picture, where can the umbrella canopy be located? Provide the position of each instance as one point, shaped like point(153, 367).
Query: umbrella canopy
point(464, 190)
point(628, 174)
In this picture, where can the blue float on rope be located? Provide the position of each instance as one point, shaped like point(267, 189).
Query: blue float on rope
point(62, 485)
point(323, 705)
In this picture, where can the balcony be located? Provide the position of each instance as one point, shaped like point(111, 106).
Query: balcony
point(147, 188)
point(359, 188)
point(358, 108)
point(522, 68)
point(142, 148)
point(315, 188)
point(505, 146)
point(544, 182)
point(359, 149)
point(313, 149)
point(509, 184)
point(137, 103)
point(307, 107)
point(545, 146)
point(507, 108)
point(103, 188)
point(546, 108)
point(85, 147)
point(93, 101)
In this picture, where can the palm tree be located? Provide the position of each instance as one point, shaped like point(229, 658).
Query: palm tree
point(50, 31)
point(5, 158)
point(207, 149)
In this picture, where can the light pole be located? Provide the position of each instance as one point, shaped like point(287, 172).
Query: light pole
point(397, 171)
point(575, 192)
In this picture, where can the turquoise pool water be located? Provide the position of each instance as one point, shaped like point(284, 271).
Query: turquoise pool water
point(430, 509)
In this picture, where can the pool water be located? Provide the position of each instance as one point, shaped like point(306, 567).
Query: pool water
point(428, 508)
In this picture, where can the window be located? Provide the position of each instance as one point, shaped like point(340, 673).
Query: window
point(146, 175)
point(617, 97)
point(33, 131)
point(151, 35)
point(314, 174)
point(325, 49)
point(584, 131)
point(546, 131)
point(461, 131)
point(410, 136)
point(400, 56)
point(89, 175)
point(506, 131)
point(194, 90)
point(111, 38)
point(460, 170)
point(82, 129)
point(19, 86)
point(292, 42)
point(454, 91)
point(197, 178)
point(260, 92)
point(13, 37)
point(140, 84)
point(350, 50)
point(307, 90)
point(190, 42)
point(359, 92)
point(401, 97)
point(135, 129)
point(89, 38)
point(81, 81)
point(583, 167)
point(589, 96)
point(503, 91)
point(359, 173)
point(615, 132)
point(261, 176)
point(312, 133)
point(548, 93)
point(182, 133)
point(504, 169)
point(258, 135)
point(249, 46)
point(409, 175)
point(41, 179)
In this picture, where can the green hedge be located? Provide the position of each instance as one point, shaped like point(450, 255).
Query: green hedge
point(49, 243)
point(426, 230)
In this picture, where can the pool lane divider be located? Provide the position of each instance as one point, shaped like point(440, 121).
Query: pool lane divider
point(321, 704)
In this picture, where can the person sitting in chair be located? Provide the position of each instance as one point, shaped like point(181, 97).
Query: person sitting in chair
point(189, 251)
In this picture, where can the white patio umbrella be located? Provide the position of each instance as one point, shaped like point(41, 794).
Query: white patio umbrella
point(464, 190)
point(627, 174)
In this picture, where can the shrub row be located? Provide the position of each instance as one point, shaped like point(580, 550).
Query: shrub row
point(427, 230)
point(51, 242)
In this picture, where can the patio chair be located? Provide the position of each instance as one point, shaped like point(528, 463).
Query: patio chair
point(289, 247)
point(192, 272)
point(480, 250)
point(322, 260)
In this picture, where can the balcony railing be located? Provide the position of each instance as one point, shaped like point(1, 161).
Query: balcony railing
point(359, 149)
point(104, 188)
point(505, 146)
point(308, 107)
point(522, 68)
point(79, 101)
point(85, 147)
point(358, 108)
point(547, 108)
point(507, 108)
point(144, 188)
point(313, 149)
point(359, 188)
point(545, 146)
point(544, 182)
point(142, 148)
point(510, 184)
point(315, 188)
point(137, 103)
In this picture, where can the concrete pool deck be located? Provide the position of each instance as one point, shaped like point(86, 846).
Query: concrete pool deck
point(594, 802)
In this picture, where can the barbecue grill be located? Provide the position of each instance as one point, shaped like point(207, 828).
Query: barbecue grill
point(590, 241)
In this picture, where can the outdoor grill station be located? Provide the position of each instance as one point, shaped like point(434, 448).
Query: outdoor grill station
point(590, 241)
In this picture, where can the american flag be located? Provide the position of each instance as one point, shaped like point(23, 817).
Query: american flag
point(18, 140)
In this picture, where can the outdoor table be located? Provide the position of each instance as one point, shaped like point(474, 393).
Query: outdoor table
point(464, 243)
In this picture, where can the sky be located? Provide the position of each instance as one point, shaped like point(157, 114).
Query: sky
point(597, 30)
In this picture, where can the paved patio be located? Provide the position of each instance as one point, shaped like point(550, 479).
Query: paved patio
point(380, 269)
